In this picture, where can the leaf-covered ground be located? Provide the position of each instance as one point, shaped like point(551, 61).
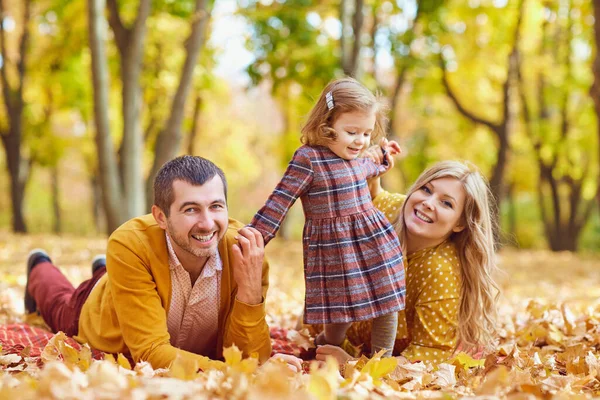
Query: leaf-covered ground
point(550, 344)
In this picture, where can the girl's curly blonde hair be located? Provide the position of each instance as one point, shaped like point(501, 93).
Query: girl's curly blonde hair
point(348, 95)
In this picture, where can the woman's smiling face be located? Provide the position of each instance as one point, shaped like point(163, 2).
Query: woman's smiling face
point(433, 212)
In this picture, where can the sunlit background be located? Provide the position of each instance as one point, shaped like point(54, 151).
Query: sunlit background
point(508, 85)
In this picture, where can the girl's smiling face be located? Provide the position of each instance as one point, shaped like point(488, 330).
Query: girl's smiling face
point(353, 131)
point(433, 212)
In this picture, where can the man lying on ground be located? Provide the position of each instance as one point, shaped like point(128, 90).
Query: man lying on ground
point(185, 280)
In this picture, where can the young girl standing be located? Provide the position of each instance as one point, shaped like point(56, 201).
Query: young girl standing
point(352, 257)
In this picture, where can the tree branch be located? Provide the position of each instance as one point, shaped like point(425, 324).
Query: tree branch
point(194, 128)
point(23, 52)
point(394, 100)
point(169, 139)
point(357, 23)
point(138, 32)
point(459, 106)
point(120, 31)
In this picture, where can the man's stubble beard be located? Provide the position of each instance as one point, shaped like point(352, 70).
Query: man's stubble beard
point(183, 243)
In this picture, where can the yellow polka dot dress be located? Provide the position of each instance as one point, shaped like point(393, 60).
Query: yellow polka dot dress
point(427, 328)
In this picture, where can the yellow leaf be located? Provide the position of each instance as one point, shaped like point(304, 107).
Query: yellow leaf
point(536, 309)
point(323, 383)
point(51, 351)
point(465, 361)
point(495, 380)
point(234, 359)
point(377, 367)
point(320, 388)
point(232, 355)
point(69, 354)
point(555, 336)
point(184, 368)
point(109, 357)
point(85, 357)
point(300, 338)
point(123, 361)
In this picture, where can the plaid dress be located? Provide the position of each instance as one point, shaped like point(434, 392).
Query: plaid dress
point(352, 258)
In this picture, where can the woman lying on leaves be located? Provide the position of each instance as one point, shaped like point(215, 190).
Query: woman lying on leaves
point(445, 224)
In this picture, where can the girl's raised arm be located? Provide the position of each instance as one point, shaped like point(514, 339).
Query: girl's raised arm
point(295, 182)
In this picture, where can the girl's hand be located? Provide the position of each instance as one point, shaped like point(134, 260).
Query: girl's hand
point(336, 352)
point(375, 154)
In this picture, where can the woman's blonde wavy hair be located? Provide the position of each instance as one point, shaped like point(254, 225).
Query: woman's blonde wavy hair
point(477, 315)
point(349, 95)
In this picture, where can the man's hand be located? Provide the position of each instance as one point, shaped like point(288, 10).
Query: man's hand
point(248, 256)
point(292, 362)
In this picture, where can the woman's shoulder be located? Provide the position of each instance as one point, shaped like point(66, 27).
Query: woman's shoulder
point(441, 259)
point(389, 203)
point(444, 257)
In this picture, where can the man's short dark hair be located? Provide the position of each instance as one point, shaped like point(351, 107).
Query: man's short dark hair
point(191, 169)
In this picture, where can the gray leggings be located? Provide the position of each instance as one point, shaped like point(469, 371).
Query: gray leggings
point(383, 333)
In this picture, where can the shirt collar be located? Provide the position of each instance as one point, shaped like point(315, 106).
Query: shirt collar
point(213, 264)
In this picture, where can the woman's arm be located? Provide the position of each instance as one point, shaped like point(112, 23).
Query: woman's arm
point(376, 154)
point(375, 186)
point(434, 323)
point(434, 331)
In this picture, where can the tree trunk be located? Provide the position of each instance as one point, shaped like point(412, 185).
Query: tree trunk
point(512, 210)
point(18, 170)
point(194, 129)
point(394, 98)
point(357, 24)
point(168, 141)
point(130, 43)
point(595, 90)
point(107, 166)
point(54, 182)
point(564, 211)
point(352, 19)
point(497, 178)
point(97, 209)
point(18, 167)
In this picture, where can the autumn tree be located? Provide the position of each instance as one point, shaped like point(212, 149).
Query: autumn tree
point(553, 99)
point(595, 89)
point(476, 111)
point(121, 174)
point(13, 74)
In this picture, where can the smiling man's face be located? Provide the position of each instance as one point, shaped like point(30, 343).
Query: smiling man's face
point(198, 218)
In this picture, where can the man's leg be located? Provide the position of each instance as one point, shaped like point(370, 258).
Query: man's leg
point(57, 300)
point(51, 291)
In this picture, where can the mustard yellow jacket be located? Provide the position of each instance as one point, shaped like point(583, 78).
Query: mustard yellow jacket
point(127, 310)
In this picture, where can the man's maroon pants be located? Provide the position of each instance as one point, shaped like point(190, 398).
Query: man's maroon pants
point(58, 302)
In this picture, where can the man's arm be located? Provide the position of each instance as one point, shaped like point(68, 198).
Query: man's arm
point(140, 313)
point(247, 327)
